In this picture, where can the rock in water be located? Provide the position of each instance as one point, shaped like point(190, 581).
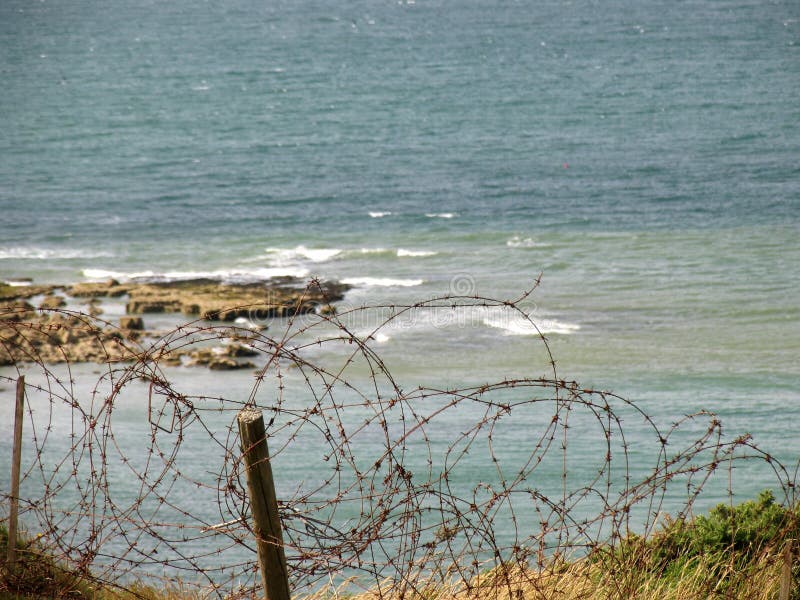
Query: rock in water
point(215, 301)
point(135, 323)
point(51, 301)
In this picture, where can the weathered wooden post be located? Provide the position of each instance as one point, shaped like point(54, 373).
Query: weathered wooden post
point(16, 459)
point(264, 505)
point(786, 571)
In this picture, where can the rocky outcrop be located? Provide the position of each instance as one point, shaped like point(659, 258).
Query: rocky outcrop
point(16, 310)
point(135, 323)
point(221, 358)
point(93, 307)
point(110, 288)
point(214, 301)
point(200, 298)
point(31, 336)
point(27, 335)
point(217, 358)
point(22, 292)
point(49, 335)
point(51, 301)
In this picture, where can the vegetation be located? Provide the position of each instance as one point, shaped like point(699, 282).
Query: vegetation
point(733, 552)
point(37, 574)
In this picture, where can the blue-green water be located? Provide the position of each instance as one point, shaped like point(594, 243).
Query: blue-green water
point(641, 156)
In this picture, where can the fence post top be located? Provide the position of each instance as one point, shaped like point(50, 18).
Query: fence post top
point(248, 415)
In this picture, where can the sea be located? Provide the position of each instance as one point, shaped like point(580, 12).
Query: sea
point(636, 162)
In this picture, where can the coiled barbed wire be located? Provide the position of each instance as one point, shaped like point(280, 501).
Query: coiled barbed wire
point(135, 474)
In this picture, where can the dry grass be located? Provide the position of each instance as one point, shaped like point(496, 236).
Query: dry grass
point(579, 579)
point(583, 579)
point(629, 572)
point(574, 581)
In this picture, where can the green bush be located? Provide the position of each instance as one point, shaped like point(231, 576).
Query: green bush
point(744, 530)
point(38, 575)
point(727, 543)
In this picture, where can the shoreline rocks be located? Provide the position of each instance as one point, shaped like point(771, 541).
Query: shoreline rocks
point(23, 292)
point(131, 323)
point(214, 301)
point(52, 335)
point(221, 358)
point(52, 301)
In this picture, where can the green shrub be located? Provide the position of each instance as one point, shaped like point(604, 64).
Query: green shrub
point(726, 543)
point(744, 530)
point(37, 574)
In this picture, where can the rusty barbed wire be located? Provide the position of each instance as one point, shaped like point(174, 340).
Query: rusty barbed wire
point(132, 473)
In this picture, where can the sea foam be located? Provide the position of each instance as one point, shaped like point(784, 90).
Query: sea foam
point(284, 256)
point(231, 275)
point(381, 282)
point(34, 253)
point(401, 252)
point(513, 323)
point(518, 242)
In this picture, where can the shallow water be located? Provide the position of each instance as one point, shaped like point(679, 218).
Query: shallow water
point(641, 158)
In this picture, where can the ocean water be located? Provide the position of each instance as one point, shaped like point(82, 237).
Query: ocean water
point(641, 157)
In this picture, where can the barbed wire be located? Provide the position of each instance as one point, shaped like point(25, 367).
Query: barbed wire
point(131, 473)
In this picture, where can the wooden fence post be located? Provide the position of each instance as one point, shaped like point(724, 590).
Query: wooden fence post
point(11, 556)
point(786, 571)
point(264, 505)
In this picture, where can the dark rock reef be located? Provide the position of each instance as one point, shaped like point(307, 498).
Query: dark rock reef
point(53, 335)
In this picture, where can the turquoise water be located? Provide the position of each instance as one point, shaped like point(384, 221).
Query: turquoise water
point(642, 157)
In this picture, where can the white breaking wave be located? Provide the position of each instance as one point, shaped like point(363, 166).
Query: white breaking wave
point(284, 256)
point(381, 282)
point(377, 214)
point(422, 321)
point(510, 321)
point(34, 253)
point(440, 215)
point(400, 252)
point(222, 274)
point(518, 242)
point(513, 323)
point(499, 317)
point(415, 253)
point(102, 274)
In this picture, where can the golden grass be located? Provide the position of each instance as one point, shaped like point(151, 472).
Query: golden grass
point(583, 579)
point(628, 576)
